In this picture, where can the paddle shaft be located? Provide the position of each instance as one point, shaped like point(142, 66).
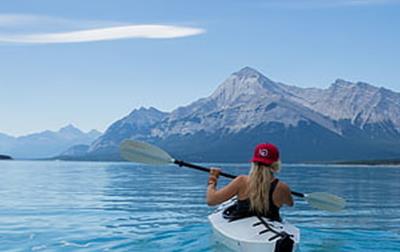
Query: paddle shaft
point(227, 175)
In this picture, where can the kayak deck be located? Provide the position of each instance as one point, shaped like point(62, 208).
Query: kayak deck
point(251, 233)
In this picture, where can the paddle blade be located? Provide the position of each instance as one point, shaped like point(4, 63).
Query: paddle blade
point(325, 201)
point(140, 152)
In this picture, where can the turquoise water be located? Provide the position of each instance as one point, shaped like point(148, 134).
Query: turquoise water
point(83, 206)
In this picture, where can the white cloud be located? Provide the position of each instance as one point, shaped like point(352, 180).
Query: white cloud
point(30, 29)
point(110, 33)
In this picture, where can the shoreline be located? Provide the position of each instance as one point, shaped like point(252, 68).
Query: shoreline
point(361, 162)
point(393, 162)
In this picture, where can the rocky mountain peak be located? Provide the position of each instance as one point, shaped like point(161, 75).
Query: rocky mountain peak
point(145, 111)
point(144, 116)
point(341, 84)
point(70, 129)
point(248, 72)
point(245, 85)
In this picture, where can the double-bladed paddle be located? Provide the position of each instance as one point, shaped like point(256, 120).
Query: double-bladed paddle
point(140, 152)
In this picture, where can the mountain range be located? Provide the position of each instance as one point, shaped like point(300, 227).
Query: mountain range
point(346, 121)
point(45, 144)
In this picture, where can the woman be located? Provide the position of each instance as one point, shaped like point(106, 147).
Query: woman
point(258, 193)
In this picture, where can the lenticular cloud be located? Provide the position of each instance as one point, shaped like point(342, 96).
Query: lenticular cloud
point(103, 33)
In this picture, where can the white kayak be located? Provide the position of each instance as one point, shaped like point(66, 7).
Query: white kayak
point(252, 234)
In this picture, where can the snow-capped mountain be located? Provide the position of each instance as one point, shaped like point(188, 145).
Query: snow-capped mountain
point(245, 100)
point(361, 103)
point(345, 121)
point(45, 144)
point(135, 125)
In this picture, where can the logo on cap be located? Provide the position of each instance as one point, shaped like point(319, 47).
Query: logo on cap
point(263, 152)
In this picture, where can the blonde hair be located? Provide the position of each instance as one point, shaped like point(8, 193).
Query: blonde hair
point(260, 179)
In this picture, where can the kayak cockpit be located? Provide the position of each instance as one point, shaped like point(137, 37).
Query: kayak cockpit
point(246, 232)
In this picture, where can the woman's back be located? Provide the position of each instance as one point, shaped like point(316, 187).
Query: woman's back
point(281, 193)
point(276, 192)
point(263, 192)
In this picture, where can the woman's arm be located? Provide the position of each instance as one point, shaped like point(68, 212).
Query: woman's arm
point(285, 195)
point(215, 196)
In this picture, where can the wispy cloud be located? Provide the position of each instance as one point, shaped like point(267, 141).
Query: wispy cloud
point(110, 33)
point(28, 29)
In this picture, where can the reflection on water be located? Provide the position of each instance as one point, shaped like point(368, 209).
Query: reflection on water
point(71, 206)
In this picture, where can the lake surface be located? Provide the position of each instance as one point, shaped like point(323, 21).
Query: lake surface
point(85, 206)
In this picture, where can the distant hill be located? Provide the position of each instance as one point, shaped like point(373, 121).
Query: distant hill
point(45, 144)
point(346, 121)
point(5, 157)
point(371, 162)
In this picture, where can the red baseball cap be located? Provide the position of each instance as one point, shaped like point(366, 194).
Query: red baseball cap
point(265, 153)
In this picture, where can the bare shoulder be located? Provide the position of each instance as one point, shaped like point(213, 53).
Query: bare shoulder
point(286, 193)
point(240, 181)
point(242, 178)
point(237, 183)
point(284, 187)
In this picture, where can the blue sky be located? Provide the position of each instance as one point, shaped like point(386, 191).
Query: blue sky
point(91, 62)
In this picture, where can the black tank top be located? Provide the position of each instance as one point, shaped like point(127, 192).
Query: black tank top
point(243, 206)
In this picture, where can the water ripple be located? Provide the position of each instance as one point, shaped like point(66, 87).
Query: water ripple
point(69, 206)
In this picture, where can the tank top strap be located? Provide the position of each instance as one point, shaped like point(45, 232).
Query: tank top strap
point(273, 212)
point(274, 183)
